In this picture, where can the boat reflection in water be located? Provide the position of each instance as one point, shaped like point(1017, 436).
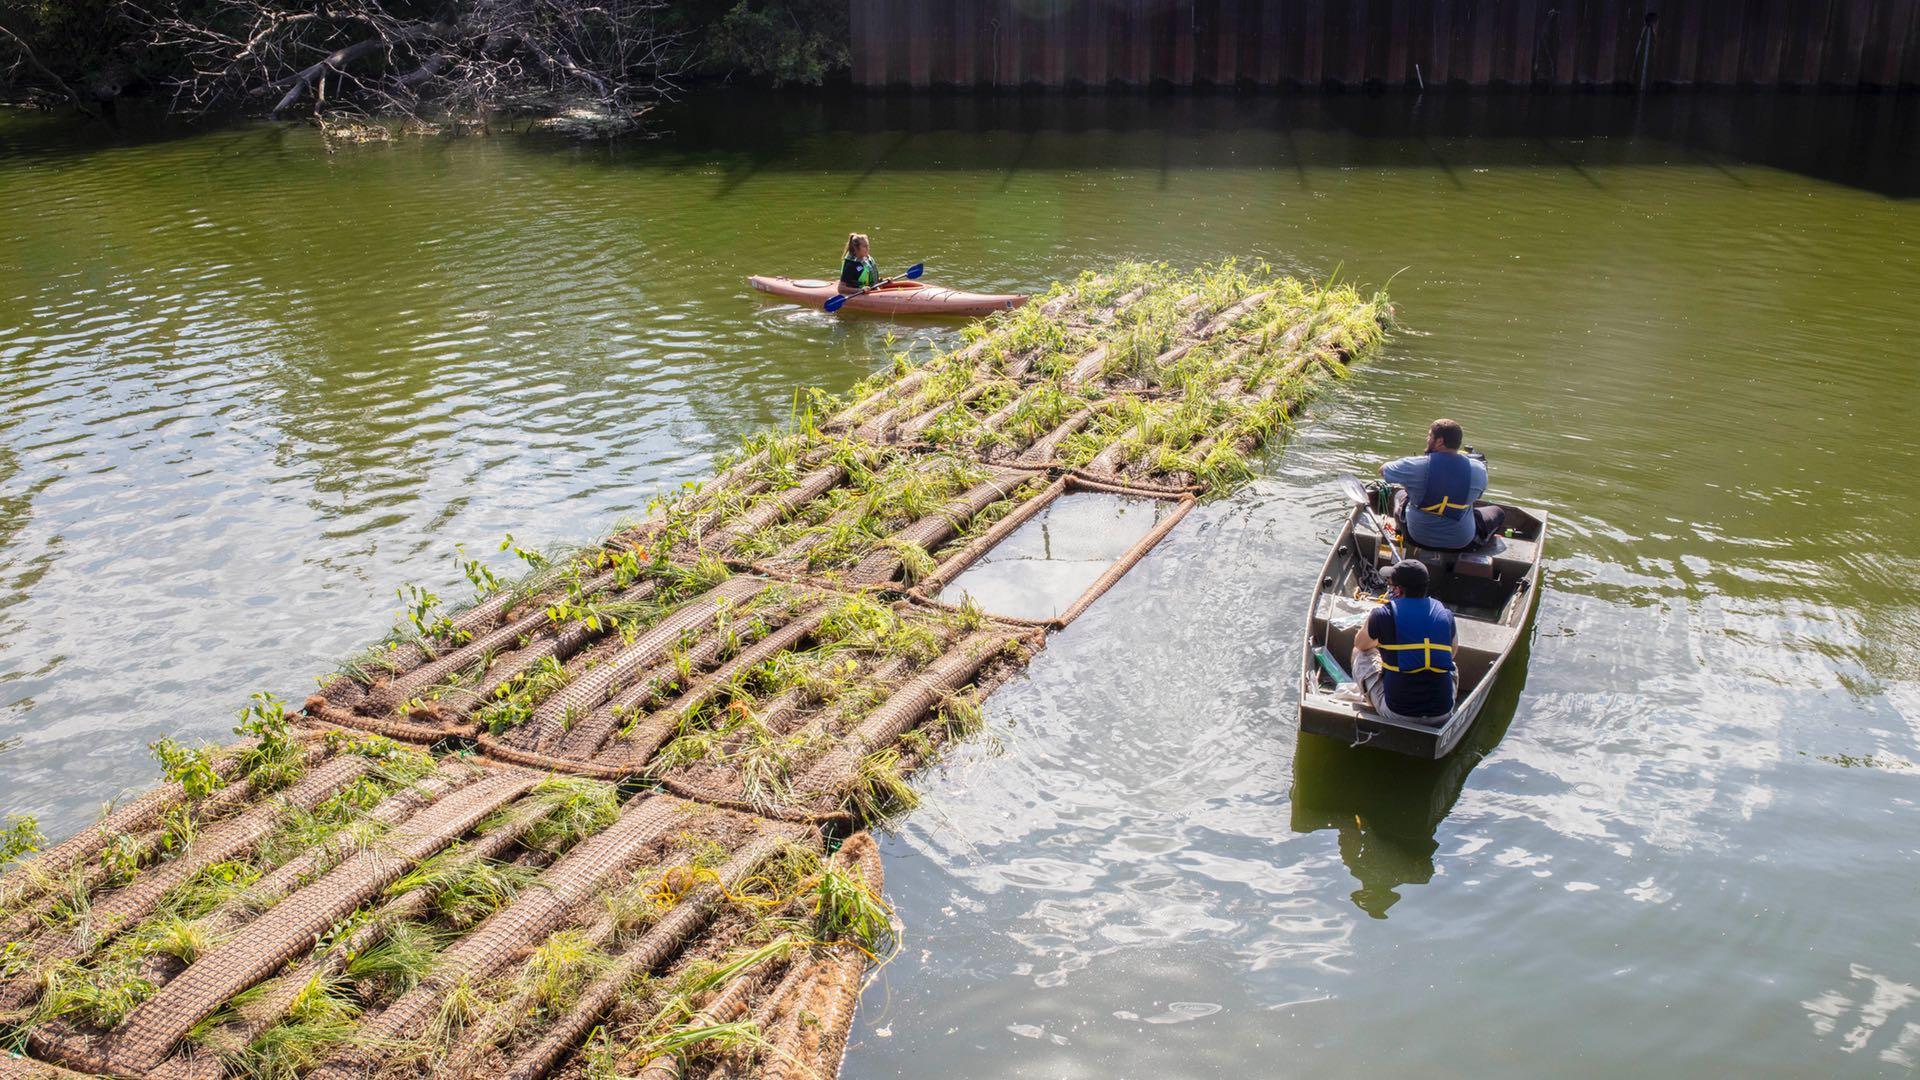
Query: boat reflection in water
point(1388, 807)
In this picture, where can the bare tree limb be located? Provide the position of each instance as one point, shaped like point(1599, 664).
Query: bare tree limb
point(403, 57)
point(27, 57)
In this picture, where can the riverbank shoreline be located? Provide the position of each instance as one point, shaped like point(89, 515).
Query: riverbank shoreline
point(581, 119)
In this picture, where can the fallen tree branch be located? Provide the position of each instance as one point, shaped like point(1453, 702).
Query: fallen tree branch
point(386, 57)
point(29, 59)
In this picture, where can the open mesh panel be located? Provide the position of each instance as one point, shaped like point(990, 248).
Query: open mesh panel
point(927, 590)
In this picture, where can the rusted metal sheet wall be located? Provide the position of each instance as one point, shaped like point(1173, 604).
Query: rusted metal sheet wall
point(1065, 43)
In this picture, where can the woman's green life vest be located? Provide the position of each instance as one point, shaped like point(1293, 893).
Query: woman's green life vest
point(865, 274)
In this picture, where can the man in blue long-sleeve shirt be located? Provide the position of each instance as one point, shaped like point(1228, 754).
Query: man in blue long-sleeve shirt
point(1435, 503)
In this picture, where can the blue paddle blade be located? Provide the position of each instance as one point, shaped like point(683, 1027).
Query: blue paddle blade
point(916, 270)
point(835, 303)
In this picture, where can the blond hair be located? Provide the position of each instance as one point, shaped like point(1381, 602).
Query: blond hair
point(855, 240)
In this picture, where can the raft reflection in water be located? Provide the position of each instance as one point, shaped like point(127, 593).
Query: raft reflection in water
point(1388, 807)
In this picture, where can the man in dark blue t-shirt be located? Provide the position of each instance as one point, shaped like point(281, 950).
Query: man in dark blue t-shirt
point(1403, 656)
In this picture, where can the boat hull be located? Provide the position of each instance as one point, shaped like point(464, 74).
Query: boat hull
point(1487, 638)
point(898, 298)
point(1364, 727)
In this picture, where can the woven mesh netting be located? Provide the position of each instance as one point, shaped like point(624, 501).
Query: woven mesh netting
point(752, 694)
point(573, 612)
point(363, 930)
point(1164, 380)
point(840, 512)
point(768, 991)
point(762, 654)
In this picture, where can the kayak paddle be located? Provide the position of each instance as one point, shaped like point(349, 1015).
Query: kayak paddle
point(835, 303)
point(1358, 495)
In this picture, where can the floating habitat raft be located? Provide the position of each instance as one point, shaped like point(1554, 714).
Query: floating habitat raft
point(606, 820)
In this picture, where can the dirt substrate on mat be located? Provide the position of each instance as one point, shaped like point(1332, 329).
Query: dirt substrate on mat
point(1172, 384)
point(372, 910)
point(768, 991)
point(766, 695)
point(475, 675)
point(840, 512)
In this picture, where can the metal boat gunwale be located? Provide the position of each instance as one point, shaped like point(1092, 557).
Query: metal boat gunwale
point(1321, 714)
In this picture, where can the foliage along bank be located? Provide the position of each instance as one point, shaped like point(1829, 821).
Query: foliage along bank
point(609, 59)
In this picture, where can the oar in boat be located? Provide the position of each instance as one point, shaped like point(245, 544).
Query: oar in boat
point(1358, 495)
point(835, 303)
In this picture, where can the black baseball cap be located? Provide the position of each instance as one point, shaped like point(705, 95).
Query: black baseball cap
point(1411, 575)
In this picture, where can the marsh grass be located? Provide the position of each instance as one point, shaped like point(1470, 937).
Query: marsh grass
point(560, 968)
point(849, 910)
point(839, 529)
point(341, 816)
point(570, 809)
point(98, 996)
point(880, 788)
point(459, 1007)
point(514, 701)
point(100, 987)
point(798, 907)
point(320, 1019)
point(406, 953)
point(466, 891)
point(859, 654)
point(288, 1050)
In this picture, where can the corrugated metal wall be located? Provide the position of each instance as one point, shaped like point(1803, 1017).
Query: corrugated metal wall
point(1063, 43)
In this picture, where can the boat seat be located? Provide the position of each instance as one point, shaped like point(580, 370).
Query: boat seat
point(1484, 637)
point(1512, 557)
point(1508, 551)
point(1477, 645)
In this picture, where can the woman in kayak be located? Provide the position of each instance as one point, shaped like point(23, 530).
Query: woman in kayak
point(857, 270)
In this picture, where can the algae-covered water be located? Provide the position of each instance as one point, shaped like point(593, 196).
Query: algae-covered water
point(250, 382)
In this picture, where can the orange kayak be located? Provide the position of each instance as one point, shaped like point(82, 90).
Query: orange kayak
point(898, 298)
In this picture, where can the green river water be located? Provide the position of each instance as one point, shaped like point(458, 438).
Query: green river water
point(249, 383)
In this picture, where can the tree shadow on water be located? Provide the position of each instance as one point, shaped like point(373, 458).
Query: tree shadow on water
point(1865, 141)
